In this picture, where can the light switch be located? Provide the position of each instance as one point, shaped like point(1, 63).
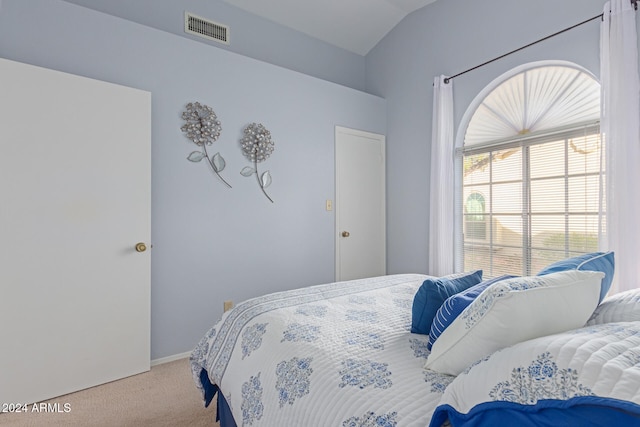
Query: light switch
point(329, 205)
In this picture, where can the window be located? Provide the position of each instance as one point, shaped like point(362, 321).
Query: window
point(532, 172)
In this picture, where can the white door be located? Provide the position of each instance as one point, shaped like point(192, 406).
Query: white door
point(74, 201)
point(360, 204)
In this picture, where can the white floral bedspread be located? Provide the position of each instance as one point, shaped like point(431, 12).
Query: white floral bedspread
point(331, 355)
point(595, 367)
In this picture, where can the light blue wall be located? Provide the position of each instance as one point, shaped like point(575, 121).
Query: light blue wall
point(251, 36)
point(447, 37)
point(210, 243)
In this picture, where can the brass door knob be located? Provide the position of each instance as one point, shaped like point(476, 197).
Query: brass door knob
point(345, 234)
point(141, 247)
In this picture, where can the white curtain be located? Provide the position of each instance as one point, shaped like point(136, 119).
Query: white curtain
point(441, 202)
point(620, 125)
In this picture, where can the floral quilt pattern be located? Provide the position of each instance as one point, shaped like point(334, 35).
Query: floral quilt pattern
point(326, 355)
point(439, 382)
point(371, 419)
point(542, 379)
point(312, 310)
point(419, 347)
point(365, 373)
point(362, 316)
point(594, 368)
point(293, 379)
point(252, 338)
point(252, 407)
point(364, 339)
point(297, 332)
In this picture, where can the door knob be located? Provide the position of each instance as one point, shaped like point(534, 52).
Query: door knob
point(345, 234)
point(141, 247)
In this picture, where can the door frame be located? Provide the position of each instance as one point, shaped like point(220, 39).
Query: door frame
point(382, 140)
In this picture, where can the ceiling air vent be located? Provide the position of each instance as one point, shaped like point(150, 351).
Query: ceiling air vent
point(204, 28)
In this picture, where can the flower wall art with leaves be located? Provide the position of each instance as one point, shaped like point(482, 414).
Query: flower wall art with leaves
point(203, 128)
point(257, 146)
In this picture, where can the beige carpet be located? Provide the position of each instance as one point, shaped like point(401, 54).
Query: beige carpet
point(164, 396)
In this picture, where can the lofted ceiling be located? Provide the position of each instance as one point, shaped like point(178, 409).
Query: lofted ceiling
point(354, 25)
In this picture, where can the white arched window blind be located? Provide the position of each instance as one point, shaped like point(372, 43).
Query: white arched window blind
point(532, 153)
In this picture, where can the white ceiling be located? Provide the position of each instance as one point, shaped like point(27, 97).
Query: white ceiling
point(354, 25)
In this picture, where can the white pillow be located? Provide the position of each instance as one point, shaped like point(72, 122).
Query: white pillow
point(622, 307)
point(515, 310)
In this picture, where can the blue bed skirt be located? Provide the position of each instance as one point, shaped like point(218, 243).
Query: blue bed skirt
point(223, 415)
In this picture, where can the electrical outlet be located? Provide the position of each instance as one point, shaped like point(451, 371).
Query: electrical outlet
point(329, 205)
point(228, 305)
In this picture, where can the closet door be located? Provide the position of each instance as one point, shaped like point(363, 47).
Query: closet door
point(74, 202)
point(360, 204)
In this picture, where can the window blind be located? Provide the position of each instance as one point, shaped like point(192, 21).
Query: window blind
point(531, 200)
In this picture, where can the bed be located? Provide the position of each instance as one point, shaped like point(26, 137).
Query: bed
point(344, 354)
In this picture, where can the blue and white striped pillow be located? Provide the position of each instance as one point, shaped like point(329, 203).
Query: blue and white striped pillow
point(455, 305)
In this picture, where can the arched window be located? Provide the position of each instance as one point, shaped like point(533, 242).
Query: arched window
point(532, 147)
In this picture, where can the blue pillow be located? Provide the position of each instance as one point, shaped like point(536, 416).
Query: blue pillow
point(455, 304)
point(596, 261)
point(433, 293)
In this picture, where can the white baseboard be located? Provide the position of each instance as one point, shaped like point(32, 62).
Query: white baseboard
point(170, 358)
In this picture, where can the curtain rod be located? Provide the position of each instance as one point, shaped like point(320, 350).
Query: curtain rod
point(600, 16)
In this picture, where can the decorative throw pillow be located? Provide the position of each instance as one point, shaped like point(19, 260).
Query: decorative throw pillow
point(433, 292)
point(622, 307)
point(595, 261)
point(515, 310)
point(454, 305)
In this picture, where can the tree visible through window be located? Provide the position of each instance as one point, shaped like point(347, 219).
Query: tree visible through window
point(475, 222)
point(532, 172)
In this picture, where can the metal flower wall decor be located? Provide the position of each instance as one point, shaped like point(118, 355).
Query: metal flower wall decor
point(203, 128)
point(257, 146)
